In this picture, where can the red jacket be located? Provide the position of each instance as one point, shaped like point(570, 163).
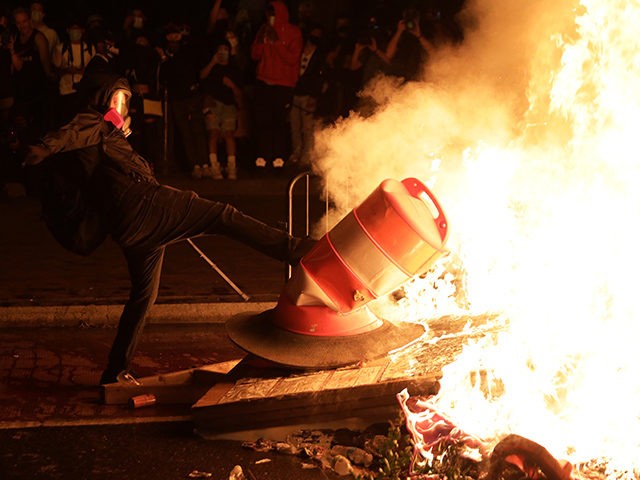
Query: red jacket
point(278, 60)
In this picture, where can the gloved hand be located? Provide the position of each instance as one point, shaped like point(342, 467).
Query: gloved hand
point(36, 154)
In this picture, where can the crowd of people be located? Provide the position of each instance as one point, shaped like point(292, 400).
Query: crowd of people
point(244, 89)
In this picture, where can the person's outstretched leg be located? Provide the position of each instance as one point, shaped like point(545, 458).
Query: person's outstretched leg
point(144, 272)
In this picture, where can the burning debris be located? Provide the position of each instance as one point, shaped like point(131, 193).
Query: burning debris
point(527, 132)
point(442, 450)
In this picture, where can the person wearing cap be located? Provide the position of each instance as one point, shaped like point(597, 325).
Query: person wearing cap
point(122, 198)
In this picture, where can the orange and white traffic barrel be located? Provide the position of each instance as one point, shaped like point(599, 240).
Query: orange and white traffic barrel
point(396, 233)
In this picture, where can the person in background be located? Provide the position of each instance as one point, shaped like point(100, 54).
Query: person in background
point(369, 60)
point(179, 76)
point(142, 216)
point(135, 23)
point(276, 49)
point(104, 63)
point(220, 81)
point(305, 96)
point(408, 48)
point(339, 93)
point(38, 14)
point(70, 58)
point(33, 77)
point(141, 62)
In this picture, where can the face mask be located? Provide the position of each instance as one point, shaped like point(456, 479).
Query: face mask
point(37, 16)
point(75, 35)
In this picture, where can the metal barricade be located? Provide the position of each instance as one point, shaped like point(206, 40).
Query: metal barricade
point(290, 220)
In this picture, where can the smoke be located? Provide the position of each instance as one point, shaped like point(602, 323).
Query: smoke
point(473, 94)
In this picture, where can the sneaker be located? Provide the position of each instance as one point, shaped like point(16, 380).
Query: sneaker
point(261, 162)
point(196, 172)
point(206, 171)
point(278, 163)
point(215, 172)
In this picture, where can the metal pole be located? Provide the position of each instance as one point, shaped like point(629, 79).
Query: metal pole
point(220, 272)
point(292, 183)
point(165, 131)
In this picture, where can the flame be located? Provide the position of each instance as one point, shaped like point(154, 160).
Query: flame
point(527, 135)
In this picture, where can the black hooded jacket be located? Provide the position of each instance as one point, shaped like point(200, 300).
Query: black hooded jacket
point(113, 157)
point(90, 168)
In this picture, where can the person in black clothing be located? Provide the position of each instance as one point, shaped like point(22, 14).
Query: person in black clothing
point(179, 77)
point(141, 63)
point(305, 96)
point(141, 215)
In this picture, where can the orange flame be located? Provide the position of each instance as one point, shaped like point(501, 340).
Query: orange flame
point(526, 134)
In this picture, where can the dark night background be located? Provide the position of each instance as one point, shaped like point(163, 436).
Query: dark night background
point(195, 12)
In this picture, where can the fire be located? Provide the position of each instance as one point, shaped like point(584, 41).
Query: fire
point(527, 135)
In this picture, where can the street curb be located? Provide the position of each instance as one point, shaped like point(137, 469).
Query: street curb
point(108, 315)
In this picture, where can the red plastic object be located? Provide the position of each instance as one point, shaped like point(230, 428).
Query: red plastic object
point(114, 117)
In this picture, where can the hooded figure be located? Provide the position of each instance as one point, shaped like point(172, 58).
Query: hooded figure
point(277, 48)
point(117, 190)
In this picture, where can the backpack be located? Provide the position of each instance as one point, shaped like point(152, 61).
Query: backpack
point(67, 209)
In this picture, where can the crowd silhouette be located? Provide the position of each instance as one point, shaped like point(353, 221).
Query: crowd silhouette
point(222, 88)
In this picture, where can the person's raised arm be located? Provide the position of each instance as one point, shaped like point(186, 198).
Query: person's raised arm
point(213, 15)
point(392, 46)
point(206, 70)
point(424, 43)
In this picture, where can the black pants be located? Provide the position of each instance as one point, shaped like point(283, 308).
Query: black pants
point(149, 217)
point(187, 121)
point(271, 103)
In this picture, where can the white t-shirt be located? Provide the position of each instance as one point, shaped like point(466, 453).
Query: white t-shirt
point(65, 57)
point(52, 37)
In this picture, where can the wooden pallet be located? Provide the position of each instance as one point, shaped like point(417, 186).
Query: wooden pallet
point(366, 393)
point(241, 395)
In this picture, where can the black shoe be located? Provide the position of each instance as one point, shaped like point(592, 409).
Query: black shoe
point(299, 248)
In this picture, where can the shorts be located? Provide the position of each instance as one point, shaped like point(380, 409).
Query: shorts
point(218, 115)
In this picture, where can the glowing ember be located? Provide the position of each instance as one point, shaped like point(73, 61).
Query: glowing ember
point(527, 135)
